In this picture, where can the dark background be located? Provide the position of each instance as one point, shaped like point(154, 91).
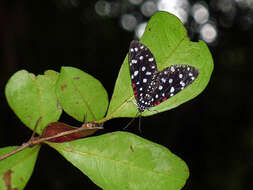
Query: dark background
point(212, 133)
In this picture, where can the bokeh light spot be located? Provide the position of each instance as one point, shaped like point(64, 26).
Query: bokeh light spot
point(208, 32)
point(250, 3)
point(200, 13)
point(225, 5)
point(180, 8)
point(136, 2)
point(102, 8)
point(140, 29)
point(128, 22)
point(241, 3)
point(148, 8)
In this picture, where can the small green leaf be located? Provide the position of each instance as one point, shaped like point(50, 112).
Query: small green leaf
point(33, 97)
point(52, 74)
point(166, 37)
point(122, 160)
point(16, 170)
point(81, 95)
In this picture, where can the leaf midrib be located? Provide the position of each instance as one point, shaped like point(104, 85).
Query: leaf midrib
point(83, 99)
point(39, 100)
point(71, 150)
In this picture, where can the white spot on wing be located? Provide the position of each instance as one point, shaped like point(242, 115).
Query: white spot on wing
point(134, 61)
point(160, 87)
point(136, 73)
point(151, 59)
point(144, 80)
point(141, 57)
point(180, 76)
point(170, 81)
point(148, 73)
point(143, 68)
point(172, 69)
point(172, 89)
point(182, 83)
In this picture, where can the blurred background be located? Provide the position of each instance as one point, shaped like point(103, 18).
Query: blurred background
point(212, 133)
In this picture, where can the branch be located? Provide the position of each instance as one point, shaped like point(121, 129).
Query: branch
point(35, 141)
point(22, 147)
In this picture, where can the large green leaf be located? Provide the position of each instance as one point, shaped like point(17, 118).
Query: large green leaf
point(32, 97)
point(122, 160)
point(166, 37)
point(16, 170)
point(81, 95)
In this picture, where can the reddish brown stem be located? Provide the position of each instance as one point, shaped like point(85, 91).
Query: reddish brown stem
point(35, 141)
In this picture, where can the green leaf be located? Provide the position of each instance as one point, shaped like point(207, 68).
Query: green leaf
point(166, 37)
point(52, 74)
point(33, 97)
point(16, 170)
point(81, 95)
point(122, 160)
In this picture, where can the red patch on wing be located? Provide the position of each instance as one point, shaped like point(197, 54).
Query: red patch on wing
point(135, 93)
point(164, 99)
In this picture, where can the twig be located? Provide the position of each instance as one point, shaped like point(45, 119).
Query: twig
point(40, 140)
point(35, 129)
point(35, 141)
point(22, 147)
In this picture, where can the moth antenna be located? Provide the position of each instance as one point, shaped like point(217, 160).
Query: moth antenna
point(140, 124)
point(131, 121)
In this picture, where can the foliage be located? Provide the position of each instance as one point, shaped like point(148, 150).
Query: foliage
point(84, 98)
